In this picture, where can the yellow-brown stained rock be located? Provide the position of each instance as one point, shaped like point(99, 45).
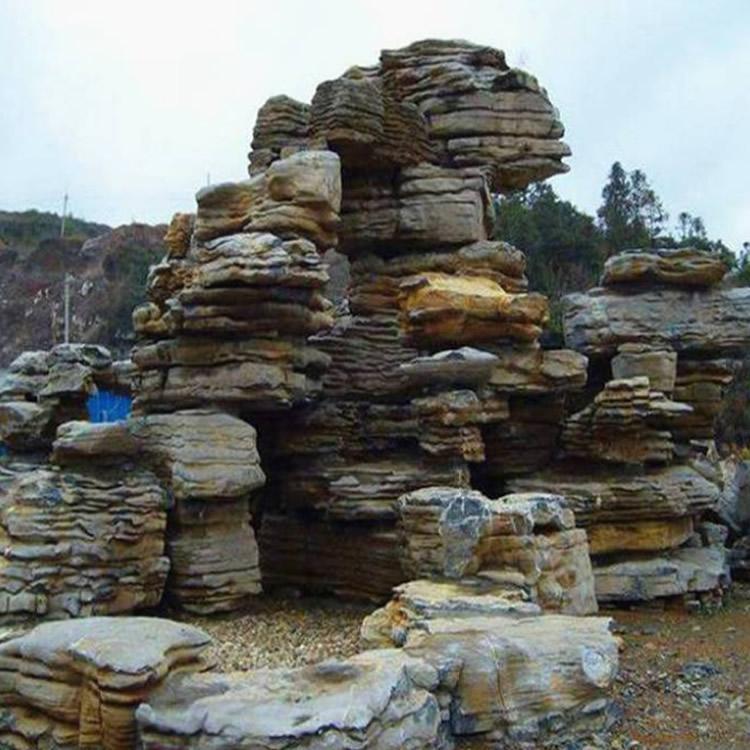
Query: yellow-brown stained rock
point(439, 309)
point(639, 536)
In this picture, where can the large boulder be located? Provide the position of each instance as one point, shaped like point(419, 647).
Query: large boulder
point(526, 540)
point(522, 679)
point(381, 700)
point(78, 543)
point(77, 684)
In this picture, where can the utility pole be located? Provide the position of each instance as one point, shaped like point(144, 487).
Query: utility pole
point(69, 279)
point(64, 214)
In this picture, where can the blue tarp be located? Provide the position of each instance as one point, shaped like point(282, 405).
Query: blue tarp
point(105, 406)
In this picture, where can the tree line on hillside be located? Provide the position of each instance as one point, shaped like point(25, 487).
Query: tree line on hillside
point(566, 248)
point(23, 231)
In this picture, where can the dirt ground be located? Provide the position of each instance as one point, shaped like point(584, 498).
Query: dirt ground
point(684, 678)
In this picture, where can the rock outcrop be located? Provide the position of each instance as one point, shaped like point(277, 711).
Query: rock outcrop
point(662, 334)
point(423, 139)
point(85, 534)
point(44, 389)
point(528, 541)
point(489, 569)
point(209, 462)
point(78, 684)
point(380, 699)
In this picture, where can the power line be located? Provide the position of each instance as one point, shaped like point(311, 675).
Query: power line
point(64, 214)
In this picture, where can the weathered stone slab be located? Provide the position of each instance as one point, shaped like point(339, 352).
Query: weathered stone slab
point(381, 700)
point(296, 196)
point(77, 684)
point(715, 322)
point(683, 266)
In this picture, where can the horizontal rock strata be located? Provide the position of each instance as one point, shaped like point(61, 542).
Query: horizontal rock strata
point(78, 683)
point(80, 543)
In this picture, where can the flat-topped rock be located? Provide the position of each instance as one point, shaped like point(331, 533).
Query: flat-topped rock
point(78, 683)
point(381, 700)
point(683, 266)
point(611, 496)
point(85, 441)
point(683, 571)
point(203, 454)
point(415, 602)
point(462, 366)
point(714, 322)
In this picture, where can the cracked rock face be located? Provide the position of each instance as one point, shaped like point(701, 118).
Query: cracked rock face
point(504, 687)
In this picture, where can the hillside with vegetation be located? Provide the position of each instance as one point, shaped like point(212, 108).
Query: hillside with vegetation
point(108, 269)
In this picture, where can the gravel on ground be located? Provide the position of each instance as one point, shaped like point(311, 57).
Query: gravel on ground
point(284, 632)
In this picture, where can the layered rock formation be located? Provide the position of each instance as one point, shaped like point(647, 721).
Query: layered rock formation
point(446, 682)
point(77, 684)
point(434, 361)
point(488, 569)
point(82, 531)
point(661, 334)
point(209, 462)
point(222, 340)
point(43, 389)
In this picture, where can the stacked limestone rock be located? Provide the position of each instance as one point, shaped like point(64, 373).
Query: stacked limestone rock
point(662, 335)
point(222, 340)
point(44, 389)
point(471, 556)
point(209, 463)
point(734, 513)
point(435, 366)
point(81, 532)
point(78, 684)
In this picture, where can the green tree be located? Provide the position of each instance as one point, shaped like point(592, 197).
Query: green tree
point(631, 214)
point(564, 247)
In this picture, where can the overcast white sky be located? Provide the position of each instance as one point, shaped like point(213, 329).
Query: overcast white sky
point(128, 105)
